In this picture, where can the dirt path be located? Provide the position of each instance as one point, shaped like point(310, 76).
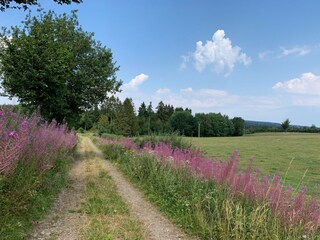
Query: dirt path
point(65, 221)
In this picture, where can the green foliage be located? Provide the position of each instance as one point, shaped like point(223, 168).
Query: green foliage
point(144, 119)
point(184, 123)
point(238, 124)
point(4, 4)
point(285, 124)
point(25, 196)
point(88, 118)
point(130, 117)
point(201, 208)
point(214, 125)
point(51, 63)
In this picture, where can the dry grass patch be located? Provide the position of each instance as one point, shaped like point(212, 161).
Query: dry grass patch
point(106, 214)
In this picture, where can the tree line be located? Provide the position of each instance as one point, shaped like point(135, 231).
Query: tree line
point(117, 117)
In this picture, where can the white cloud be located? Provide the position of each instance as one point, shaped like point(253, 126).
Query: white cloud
point(296, 51)
point(209, 92)
point(186, 90)
point(200, 98)
point(184, 63)
point(163, 91)
point(218, 54)
point(215, 100)
point(263, 55)
point(285, 52)
point(306, 101)
point(135, 82)
point(308, 84)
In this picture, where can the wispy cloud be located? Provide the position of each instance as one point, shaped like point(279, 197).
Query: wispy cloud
point(163, 91)
point(186, 90)
point(217, 54)
point(135, 82)
point(216, 100)
point(265, 54)
point(286, 52)
point(295, 51)
point(184, 62)
point(200, 98)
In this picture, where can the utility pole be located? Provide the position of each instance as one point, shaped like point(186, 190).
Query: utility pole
point(199, 130)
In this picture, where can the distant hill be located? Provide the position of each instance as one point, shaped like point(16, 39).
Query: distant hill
point(250, 123)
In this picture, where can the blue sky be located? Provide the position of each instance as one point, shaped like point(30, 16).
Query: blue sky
point(258, 60)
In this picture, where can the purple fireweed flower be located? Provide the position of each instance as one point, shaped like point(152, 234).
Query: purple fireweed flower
point(13, 134)
point(24, 138)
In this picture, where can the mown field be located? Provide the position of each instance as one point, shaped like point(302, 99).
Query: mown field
point(273, 152)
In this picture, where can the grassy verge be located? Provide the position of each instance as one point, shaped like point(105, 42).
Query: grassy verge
point(27, 195)
point(273, 152)
point(200, 207)
point(174, 140)
point(107, 215)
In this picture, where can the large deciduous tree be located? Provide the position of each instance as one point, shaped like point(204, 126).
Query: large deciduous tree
point(183, 122)
point(50, 63)
point(4, 4)
point(238, 124)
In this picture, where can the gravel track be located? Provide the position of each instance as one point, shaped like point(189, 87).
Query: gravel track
point(65, 220)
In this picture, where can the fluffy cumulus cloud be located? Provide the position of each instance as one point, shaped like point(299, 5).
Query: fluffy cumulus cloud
point(135, 82)
point(218, 54)
point(308, 84)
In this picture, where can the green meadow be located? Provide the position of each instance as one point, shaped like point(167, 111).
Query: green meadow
point(294, 155)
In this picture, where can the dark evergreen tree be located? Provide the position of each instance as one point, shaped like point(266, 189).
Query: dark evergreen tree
point(127, 123)
point(143, 119)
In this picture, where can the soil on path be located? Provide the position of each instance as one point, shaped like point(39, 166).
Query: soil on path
point(65, 220)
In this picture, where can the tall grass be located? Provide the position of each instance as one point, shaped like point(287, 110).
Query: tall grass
point(212, 199)
point(174, 140)
point(34, 159)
